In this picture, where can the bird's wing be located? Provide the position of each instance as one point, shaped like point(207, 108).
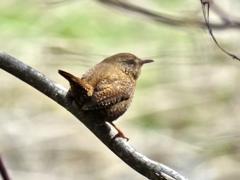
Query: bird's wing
point(107, 94)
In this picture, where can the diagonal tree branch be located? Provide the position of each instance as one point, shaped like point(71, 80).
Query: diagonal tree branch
point(137, 161)
point(3, 170)
point(171, 20)
point(159, 17)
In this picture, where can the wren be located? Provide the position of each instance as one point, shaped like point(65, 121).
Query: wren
point(106, 91)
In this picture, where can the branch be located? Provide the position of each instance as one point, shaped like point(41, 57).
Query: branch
point(3, 170)
point(170, 20)
point(205, 9)
point(226, 22)
point(137, 161)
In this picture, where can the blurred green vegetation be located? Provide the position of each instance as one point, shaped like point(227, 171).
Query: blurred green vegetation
point(185, 111)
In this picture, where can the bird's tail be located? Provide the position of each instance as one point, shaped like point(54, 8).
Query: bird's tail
point(77, 83)
point(68, 76)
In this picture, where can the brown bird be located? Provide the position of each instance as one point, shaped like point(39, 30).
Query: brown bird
point(105, 91)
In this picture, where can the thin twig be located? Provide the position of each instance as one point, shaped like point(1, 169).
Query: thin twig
point(206, 6)
point(3, 170)
point(140, 163)
point(167, 18)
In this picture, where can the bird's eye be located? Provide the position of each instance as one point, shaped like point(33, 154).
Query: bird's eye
point(130, 61)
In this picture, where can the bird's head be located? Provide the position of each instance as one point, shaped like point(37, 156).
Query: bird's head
point(128, 63)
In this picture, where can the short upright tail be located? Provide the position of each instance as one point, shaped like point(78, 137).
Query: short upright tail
point(68, 76)
point(77, 83)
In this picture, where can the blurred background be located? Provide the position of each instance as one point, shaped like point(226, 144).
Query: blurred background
point(185, 112)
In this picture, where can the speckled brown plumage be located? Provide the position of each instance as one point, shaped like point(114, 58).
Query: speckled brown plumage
point(105, 91)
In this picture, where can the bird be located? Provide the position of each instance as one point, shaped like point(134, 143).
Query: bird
point(105, 91)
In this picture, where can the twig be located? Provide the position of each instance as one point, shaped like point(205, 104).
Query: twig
point(168, 19)
point(139, 162)
point(206, 6)
point(3, 170)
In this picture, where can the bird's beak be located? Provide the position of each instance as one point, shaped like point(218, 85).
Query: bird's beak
point(147, 61)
